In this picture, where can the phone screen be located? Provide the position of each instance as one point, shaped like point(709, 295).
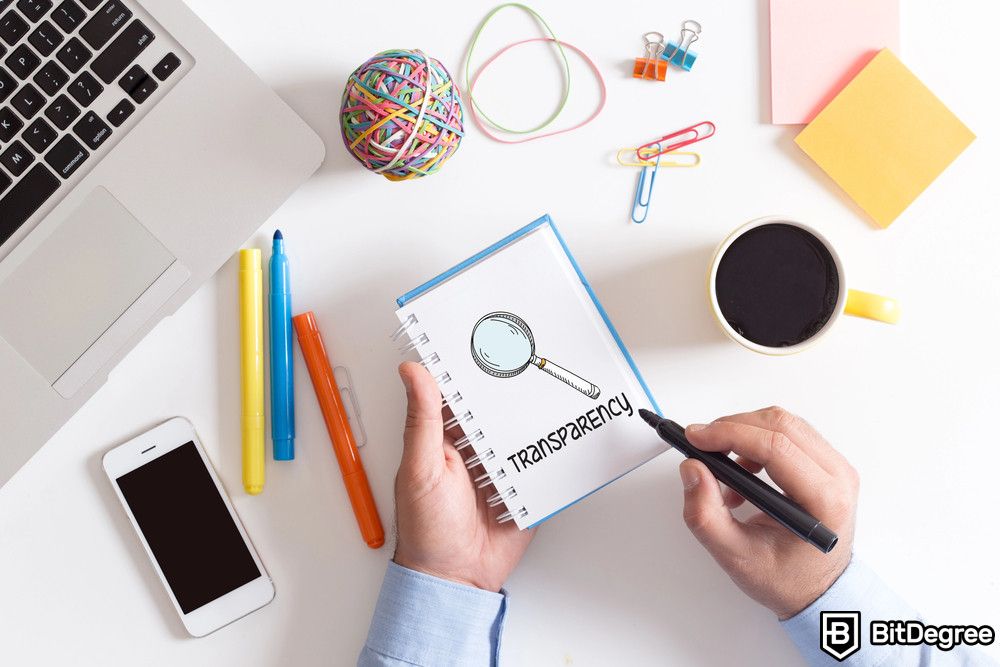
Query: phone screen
point(188, 527)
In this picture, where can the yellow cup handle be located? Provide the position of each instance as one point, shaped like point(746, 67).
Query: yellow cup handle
point(872, 306)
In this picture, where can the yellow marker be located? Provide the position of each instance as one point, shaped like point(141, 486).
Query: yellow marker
point(252, 367)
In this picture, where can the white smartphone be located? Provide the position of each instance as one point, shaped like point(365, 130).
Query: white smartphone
point(188, 527)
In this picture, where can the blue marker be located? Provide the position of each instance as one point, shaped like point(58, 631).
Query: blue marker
point(282, 388)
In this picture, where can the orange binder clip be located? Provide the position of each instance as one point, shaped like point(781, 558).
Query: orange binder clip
point(651, 66)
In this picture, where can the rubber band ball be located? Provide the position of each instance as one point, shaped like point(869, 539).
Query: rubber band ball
point(401, 115)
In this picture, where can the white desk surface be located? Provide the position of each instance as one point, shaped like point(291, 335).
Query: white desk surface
point(618, 579)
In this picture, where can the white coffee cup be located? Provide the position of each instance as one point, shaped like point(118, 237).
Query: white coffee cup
point(849, 301)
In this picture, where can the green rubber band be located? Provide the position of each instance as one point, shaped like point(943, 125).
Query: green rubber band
point(468, 64)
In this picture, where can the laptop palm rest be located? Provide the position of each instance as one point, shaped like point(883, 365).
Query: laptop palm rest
point(85, 290)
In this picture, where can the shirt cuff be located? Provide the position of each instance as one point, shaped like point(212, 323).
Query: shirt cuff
point(423, 620)
point(858, 589)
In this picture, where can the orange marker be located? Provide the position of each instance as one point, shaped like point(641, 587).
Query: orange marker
point(328, 395)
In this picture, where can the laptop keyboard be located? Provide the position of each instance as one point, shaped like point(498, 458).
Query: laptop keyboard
point(57, 59)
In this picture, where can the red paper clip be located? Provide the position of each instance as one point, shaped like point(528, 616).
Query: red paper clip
point(679, 139)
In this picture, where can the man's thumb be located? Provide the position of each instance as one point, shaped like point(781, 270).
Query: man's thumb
point(423, 437)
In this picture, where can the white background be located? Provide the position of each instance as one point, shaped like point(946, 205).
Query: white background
point(617, 579)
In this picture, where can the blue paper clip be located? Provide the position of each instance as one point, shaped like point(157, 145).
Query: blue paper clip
point(679, 53)
point(640, 204)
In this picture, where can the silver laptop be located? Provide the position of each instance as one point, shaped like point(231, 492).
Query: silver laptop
point(137, 152)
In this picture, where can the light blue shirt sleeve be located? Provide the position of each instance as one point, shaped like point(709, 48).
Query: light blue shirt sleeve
point(860, 589)
point(423, 620)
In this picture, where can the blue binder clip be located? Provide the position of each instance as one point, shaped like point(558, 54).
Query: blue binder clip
point(679, 53)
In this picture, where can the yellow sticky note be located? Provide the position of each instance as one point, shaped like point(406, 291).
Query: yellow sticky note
point(884, 138)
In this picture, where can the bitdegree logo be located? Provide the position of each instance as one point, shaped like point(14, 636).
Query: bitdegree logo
point(840, 633)
point(944, 637)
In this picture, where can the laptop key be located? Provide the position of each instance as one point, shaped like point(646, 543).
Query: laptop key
point(39, 135)
point(22, 61)
point(129, 43)
point(68, 16)
point(34, 9)
point(167, 66)
point(120, 113)
point(25, 198)
point(66, 156)
point(7, 84)
point(62, 112)
point(10, 124)
point(50, 78)
point(92, 130)
point(131, 78)
point(16, 158)
point(74, 55)
point(143, 90)
point(91, 4)
point(12, 27)
point(110, 19)
point(85, 89)
point(45, 38)
point(28, 101)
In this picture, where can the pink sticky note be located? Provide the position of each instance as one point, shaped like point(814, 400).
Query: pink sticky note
point(817, 46)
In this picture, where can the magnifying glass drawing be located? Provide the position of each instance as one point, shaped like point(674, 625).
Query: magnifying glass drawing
point(502, 346)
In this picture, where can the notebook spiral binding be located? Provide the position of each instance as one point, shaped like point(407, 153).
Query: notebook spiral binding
point(464, 420)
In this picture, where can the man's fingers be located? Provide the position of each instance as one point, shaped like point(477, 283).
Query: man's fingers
point(423, 437)
point(731, 498)
point(707, 516)
point(752, 466)
point(797, 474)
point(796, 429)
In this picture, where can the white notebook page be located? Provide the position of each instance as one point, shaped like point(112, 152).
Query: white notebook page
point(555, 442)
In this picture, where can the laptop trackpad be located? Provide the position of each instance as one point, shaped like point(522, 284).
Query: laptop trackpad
point(71, 301)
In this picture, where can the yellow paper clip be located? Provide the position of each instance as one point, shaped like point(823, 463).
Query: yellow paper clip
point(636, 160)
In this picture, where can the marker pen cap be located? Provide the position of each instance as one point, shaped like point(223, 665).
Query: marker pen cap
point(250, 259)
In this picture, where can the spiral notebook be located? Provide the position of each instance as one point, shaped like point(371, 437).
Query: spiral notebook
point(537, 377)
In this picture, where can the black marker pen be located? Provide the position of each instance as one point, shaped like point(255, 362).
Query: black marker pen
point(766, 498)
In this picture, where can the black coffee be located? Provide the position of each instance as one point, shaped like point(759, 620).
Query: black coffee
point(777, 285)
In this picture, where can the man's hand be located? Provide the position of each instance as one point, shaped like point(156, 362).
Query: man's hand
point(445, 528)
point(768, 562)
